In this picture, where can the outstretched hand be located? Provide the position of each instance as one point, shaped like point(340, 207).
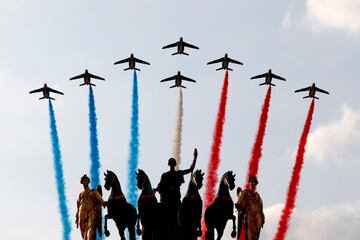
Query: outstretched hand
point(195, 153)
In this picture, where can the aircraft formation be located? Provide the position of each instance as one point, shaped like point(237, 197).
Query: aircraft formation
point(179, 78)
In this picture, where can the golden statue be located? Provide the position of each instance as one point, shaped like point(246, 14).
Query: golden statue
point(250, 211)
point(88, 214)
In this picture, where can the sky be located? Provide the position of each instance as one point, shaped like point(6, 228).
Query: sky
point(304, 41)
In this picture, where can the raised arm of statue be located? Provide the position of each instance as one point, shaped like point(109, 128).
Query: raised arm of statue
point(191, 169)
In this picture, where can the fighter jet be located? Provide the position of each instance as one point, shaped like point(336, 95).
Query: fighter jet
point(46, 92)
point(225, 62)
point(312, 90)
point(132, 61)
point(268, 77)
point(87, 78)
point(178, 80)
point(180, 47)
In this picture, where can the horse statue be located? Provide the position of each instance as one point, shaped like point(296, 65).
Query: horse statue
point(191, 208)
point(148, 207)
point(222, 209)
point(118, 209)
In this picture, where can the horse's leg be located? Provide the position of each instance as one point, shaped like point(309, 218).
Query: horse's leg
point(233, 233)
point(209, 234)
point(220, 231)
point(121, 229)
point(131, 230)
point(107, 233)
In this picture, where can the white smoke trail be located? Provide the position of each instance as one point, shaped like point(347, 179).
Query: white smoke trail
point(178, 131)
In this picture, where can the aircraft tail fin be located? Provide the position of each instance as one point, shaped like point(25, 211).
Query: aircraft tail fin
point(41, 98)
point(272, 84)
point(137, 69)
point(316, 97)
point(126, 69)
point(185, 53)
point(306, 97)
point(261, 84)
point(183, 86)
point(52, 98)
point(229, 69)
point(219, 69)
point(83, 84)
point(92, 84)
point(175, 53)
point(173, 86)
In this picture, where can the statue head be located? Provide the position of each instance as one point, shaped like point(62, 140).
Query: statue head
point(172, 162)
point(253, 179)
point(83, 178)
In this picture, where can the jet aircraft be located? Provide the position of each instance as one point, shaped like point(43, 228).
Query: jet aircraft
point(225, 62)
point(268, 77)
point(178, 80)
point(132, 61)
point(180, 47)
point(87, 78)
point(312, 91)
point(46, 92)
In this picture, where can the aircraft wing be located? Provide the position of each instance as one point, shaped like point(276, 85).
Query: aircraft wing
point(303, 89)
point(190, 45)
point(235, 61)
point(277, 77)
point(170, 45)
point(259, 76)
point(215, 61)
point(36, 90)
point(169, 79)
point(141, 61)
point(320, 90)
point(77, 77)
point(122, 61)
point(187, 79)
point(55, 91)
point(96, 77)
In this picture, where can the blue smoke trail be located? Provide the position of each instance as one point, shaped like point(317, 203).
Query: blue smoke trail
point(94, 143)
point(134, 144)
point(60, 184)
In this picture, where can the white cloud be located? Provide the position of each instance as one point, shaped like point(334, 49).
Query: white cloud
point(332, 140)
point(327, 223)
point(339, 14)
point(287, 18)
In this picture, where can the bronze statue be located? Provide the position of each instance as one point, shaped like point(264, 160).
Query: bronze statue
point(250, 211)
point(88, 214)
point(170, 196)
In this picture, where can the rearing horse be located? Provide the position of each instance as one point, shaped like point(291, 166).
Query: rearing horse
point(123, 213)
point(191, 208)
point(222, 209)
point(148, 207)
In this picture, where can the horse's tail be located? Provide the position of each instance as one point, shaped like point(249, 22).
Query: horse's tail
point(138, 229)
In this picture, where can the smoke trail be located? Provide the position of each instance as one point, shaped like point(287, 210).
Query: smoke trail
point(178, 131)
point(256, 152)
point(212, 177)
point(134, 144)
point(295, 178)
point(59, 175)
point(94, 143)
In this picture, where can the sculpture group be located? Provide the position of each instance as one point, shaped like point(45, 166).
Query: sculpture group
point(170, 218)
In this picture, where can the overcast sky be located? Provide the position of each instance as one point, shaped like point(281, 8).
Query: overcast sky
point(304, 41)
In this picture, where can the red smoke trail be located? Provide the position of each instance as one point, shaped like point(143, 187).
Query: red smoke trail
point(212, 177)
point(256, 152)
point(295, 178)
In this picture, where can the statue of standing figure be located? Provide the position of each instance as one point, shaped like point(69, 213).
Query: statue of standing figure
point(250, 211)
point(170, 196)
point(88, 214)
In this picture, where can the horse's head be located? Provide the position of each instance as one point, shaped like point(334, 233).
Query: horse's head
point(229, 180)
point(109, 179)
point(197, 178)
point(141, 178)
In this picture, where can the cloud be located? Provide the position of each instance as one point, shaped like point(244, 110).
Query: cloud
point(286, 22)
point(327, 223)
point(338, 14)
point(333, 140)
